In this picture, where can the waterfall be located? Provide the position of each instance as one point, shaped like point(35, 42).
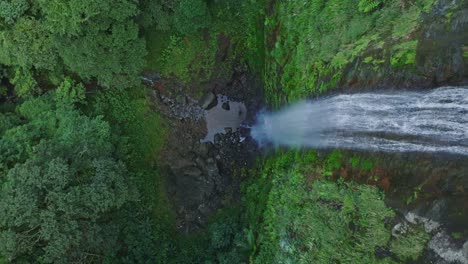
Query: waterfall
point(430, 121)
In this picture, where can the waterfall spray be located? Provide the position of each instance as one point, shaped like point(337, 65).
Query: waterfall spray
point(434, 121)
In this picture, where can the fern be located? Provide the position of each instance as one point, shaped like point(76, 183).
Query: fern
point(367, 6)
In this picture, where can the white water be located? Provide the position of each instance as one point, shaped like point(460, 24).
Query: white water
point(434, 121)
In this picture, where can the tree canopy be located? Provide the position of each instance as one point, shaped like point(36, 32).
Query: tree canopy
point(93, 39)
point(62, 184)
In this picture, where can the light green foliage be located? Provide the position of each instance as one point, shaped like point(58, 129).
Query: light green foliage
point(404, 54)
point(410, 245)
point(333, 161)
point(369, 5)
point(24, 82)
point(354, 161)
point(367, 165)
point(69, 93)
point(407, 22)
point(307, 221)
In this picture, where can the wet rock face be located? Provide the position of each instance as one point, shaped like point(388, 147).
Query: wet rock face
point(440, 55)
point(440, 50)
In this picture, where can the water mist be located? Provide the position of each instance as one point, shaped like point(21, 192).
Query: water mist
point(434, 121)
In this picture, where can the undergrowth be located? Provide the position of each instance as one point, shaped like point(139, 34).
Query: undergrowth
point(187, 50)
point(299, 216)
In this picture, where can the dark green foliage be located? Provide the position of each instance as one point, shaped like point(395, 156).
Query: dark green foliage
point(132, 120)
point(93, 39)
point(185, 47)
point(62, 184)
point(27, 44)
point(138, 135)
point(114, 59)
point(72, 18)
point(157, 13)
point(10, 10)
point(229, 240)
point(190, 16)
point(67, 194)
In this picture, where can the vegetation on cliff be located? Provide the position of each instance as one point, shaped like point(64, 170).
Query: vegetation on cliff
point(79, 173)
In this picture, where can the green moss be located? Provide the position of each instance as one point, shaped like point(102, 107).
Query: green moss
point(410, 245)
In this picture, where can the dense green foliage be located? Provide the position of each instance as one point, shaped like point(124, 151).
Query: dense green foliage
point(95, 40)
point(312, 47)
point(62, 184)
point(305, 218)
point(185, 45)
point(79, 147)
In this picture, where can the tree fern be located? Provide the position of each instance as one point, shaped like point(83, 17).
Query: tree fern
point(367, 6)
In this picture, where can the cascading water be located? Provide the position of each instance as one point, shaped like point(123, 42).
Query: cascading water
point(434, 121)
